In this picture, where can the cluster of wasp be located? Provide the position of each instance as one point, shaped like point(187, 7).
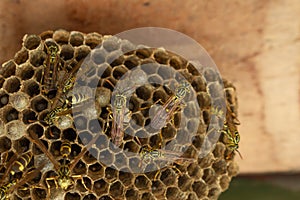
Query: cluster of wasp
point(56, 78)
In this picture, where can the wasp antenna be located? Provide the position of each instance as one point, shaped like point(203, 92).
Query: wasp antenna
point(239, 154)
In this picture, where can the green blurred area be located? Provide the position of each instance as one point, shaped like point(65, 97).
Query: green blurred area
point(248, 189)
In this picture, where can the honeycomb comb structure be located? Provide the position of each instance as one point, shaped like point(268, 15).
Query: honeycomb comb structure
point(109, 171)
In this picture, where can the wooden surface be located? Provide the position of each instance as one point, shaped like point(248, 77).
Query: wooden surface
point(254, 43)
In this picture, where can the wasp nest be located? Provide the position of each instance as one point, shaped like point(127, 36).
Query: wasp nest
point(62, 93)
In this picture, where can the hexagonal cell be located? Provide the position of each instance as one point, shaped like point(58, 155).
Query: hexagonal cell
point(90, 197)
point(165, 73)
point(194, 171)
point(177, 63)
point(39, 193)
point(85, 137)
point(144, 92)
point(82, 52)
point(148, 196)
point(214, 193)
point(39, 104)
point(158, 188)
point(12, 84)
point(8, 69)
point(76, 38)
point(29, 116)
point(224, 182)
point(37, 58)
point(120, 160)
point(25, 71)
point(21, 56)
point(64, 122)
point(143, 53)
point(15, 129)
point(31, 88)
point(91, 156)
point(46, 34)
point(107, 157)
point(116, 189)
point(100, 187)
point(233, 169)
point(19, 100)
point(36, 129)
point(32, 42)
point(106, 197)
point(22, 193)
point(55, 148)
point(159, 95)
point(67, 52)
point(174, 193)
point(168, 176)
point(80, 123)
point(4, 98)
point(126, 178)
point(96, 171)
point(21, 145)
point(192, 196)
point(200, 188)
point(94, 126)
point(10, 114)
point(118, 72)
point(168, 132)
point(132, 62)
point(103, 96)
point(5, 144)
point(80, 168)
point(134, 104)
point(138, 120)
point(69, 134)
point(142, 182)
point(72, 196)
point(84, 184)
point(61, 36)
point(111, 43)
point(161, 56)
point(52, 133)
point(131, 147)
point(132, 194)
point(193, 70)
point(111, 174)
point(209, 176)
point(185, 182)
point(98, 56)
point(204, 100)
point(93, 39)
point(220, 167)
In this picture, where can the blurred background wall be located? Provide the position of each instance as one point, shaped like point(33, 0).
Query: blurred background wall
point(255, 44)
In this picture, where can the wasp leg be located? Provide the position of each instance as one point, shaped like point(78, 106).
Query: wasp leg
point(84, 185)
point(48, 185)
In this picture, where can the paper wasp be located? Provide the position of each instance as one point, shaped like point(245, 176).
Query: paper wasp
point(65, 84)
point(50, 69)
point(64, 178)
point(231, 133)
point(148, 154)
point(118, 111)
point(16, 165)
point(164, 114)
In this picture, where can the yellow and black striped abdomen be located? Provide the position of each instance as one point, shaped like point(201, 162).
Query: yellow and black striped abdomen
point(65, 149)
point(21, 163)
